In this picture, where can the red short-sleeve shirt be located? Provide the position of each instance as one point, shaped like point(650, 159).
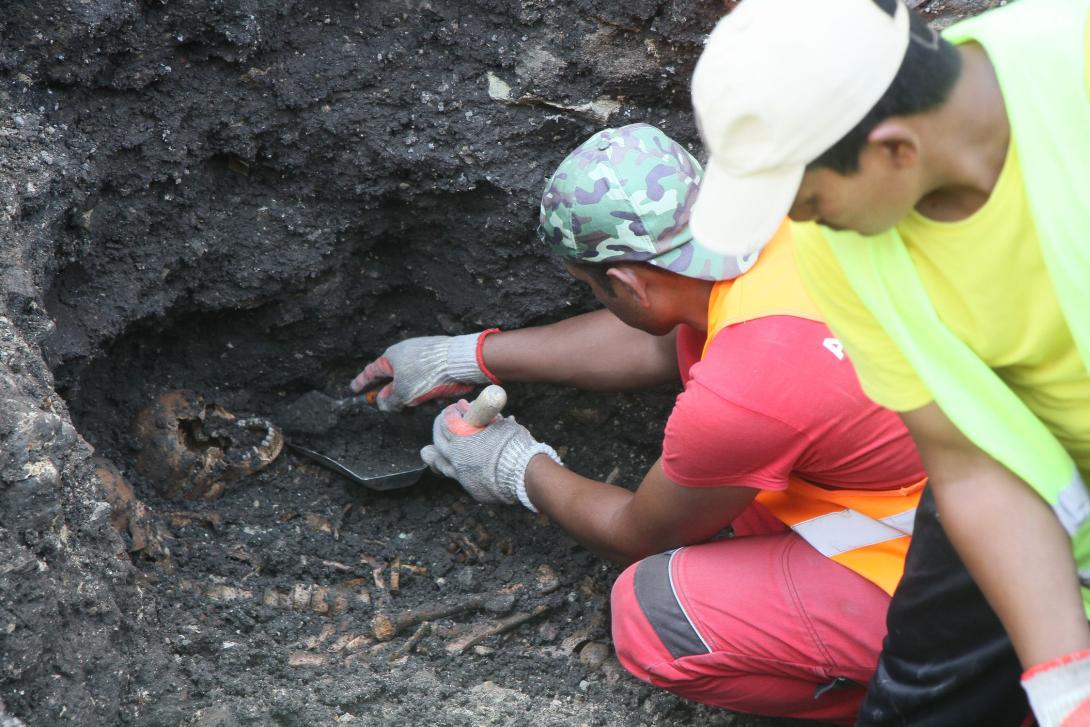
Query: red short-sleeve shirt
point(774, 397)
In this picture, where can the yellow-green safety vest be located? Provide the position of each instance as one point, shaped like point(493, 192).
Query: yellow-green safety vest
point(1038, 50)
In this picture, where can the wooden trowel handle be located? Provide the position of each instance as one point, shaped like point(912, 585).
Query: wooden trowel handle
point(486, 406)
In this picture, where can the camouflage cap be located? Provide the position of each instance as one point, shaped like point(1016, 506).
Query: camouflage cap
point(624, 195)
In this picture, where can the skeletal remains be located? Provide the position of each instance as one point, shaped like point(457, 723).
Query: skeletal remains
point(193, 449)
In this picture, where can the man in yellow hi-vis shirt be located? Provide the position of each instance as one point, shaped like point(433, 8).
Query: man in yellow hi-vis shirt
point(950, 183)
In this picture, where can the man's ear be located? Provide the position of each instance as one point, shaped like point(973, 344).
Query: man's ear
point(631, 281)
point(898, 141)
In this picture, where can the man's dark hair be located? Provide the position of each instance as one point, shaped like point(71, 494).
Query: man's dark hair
point(597, 272)
point(930, 68)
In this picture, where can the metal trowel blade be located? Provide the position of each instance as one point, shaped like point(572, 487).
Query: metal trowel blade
point(380, 483)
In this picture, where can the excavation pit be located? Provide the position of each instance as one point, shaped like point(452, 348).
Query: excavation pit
point(250, 201)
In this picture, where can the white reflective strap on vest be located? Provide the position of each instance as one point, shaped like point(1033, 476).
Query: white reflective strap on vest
point(847, 530)
point(1073, 505)
point(1073, 508)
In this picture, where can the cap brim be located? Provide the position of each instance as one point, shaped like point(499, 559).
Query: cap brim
point(738, 215)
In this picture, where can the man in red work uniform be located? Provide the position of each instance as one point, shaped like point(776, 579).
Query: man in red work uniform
point(771, 436)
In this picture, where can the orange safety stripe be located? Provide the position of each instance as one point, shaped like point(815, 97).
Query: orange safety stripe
point(882, 562)
point(864, 530)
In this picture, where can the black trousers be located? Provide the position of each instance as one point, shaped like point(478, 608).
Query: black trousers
point(946, 659)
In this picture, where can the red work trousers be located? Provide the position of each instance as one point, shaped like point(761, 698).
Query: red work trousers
point(758, 623)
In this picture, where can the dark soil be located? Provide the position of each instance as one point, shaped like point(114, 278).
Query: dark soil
point(251, 200)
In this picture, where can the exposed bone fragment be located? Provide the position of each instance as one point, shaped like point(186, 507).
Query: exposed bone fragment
point(594, 654)
point(182, 518)
point(545, 579)
point(340, 521)
point(319, 522)
point(395, 575)
point(502, 626)
point(322, 600)
point(305, 658)
point(129, 514)
point(410, 643)
point(320, 638)
point(386, 626)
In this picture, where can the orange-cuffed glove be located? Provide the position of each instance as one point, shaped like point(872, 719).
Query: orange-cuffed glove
point(424, 368)
point(1059, 690)
point(489, 462)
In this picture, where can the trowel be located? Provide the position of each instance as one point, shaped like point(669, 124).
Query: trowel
point(317, 413)
point(482, 410)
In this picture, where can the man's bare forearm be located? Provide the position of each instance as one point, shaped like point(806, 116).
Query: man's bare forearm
point(591, 351)
point(1020, 556)
point(585, 508)
point(623, 526)
point(1009, 538)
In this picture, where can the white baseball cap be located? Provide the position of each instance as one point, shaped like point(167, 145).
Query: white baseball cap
point(778, 84)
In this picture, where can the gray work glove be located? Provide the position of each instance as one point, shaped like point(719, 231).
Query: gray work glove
point(424, 368)
point(1059, 691)
point(490, 462)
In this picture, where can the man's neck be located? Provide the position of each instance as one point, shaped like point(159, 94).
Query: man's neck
point(693, 300)
point(966, 142)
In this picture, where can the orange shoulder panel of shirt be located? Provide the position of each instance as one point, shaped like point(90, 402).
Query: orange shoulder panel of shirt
point(772, 287)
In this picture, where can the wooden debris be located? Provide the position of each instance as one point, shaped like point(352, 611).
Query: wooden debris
point(502, 626)
point(386, 626)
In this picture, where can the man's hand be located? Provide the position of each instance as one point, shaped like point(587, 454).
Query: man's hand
point(419, 369)
point(489, 462)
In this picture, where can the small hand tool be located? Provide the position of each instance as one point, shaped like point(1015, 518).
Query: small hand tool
point(317, 413)
point(482, 410)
